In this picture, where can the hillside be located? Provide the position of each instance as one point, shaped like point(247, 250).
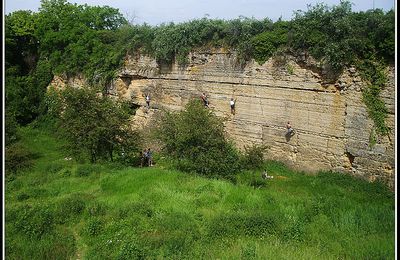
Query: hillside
point(64, 209)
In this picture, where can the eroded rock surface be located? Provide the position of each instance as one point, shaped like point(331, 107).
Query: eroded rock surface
point(332, 128)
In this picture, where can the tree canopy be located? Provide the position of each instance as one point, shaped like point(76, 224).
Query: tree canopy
point(94, 126)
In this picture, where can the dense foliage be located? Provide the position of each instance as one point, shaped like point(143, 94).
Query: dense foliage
point(339, 37)
point(93, 125)
point(195, 139)
point(70, 39)
point(62, 38)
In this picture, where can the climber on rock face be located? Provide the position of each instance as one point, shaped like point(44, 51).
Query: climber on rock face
point(232, 103)
point(148, 100)
point(204, 99)
point(289, 128)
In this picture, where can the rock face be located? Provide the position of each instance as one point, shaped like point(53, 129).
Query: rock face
point(332, 128)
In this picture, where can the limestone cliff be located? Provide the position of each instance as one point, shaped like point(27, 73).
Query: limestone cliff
point(332, 128)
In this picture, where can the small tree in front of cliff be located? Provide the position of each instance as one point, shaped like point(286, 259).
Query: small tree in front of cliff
point(93, 125)
point(194, 138)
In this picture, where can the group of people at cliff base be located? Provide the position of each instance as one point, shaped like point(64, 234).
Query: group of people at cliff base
point(147, 158)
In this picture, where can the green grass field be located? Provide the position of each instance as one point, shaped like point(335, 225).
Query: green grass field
point(61, 209)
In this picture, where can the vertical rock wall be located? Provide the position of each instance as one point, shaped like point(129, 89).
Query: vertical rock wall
point(332, 128)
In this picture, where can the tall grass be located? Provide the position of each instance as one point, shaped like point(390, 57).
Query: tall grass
point(62, 209)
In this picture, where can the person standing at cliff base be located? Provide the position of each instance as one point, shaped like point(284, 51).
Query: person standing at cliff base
point(149, 158)
point(232, 103)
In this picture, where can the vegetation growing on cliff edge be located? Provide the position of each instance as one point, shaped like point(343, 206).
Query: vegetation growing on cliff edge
point(65, 38)
point(374, 73)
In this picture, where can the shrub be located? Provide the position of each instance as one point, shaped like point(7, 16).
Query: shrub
point(195, 139)
point(93, 125)
point(265, 44)
point(253, 157)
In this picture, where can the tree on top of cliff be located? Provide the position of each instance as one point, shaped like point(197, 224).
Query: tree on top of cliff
point(62, 38)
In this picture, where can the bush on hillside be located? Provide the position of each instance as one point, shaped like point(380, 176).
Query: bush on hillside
point(93, 125)
point(253, 157)
point(195, 139)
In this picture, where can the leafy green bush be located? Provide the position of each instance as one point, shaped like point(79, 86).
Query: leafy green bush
point(93, 126)
point(195, 139)
point(339, 37)
point(253, 157)
point(265, 44)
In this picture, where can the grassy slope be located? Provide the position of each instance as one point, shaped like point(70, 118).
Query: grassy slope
point(63, 209)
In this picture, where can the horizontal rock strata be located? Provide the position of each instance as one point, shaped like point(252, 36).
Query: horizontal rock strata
point(332, 128)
